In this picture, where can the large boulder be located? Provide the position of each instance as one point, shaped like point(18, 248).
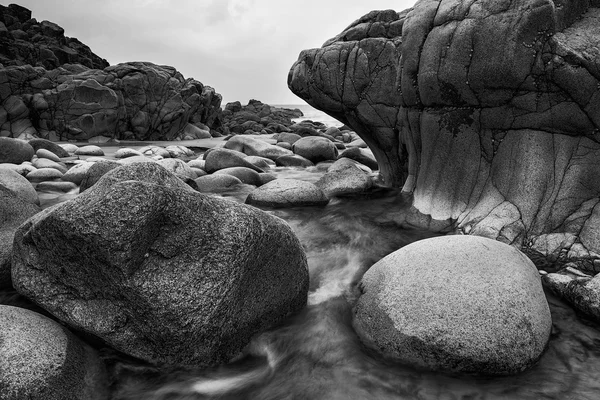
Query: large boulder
point(488, 114)
point(344, 177)
point(14, 211)
point(15, 151)
point(42, 360)
point(455, 303)
point(160, 271)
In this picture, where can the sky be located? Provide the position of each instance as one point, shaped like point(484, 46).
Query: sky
point(242, 48)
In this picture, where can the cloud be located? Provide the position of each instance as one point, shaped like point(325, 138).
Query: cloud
point(242, 48)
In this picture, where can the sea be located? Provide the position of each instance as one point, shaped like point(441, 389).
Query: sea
point(312, 114)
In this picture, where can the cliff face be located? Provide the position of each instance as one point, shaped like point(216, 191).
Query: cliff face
point(487, 111)
point(55, 87)
point(24, 40)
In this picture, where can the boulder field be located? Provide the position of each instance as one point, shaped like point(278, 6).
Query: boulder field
point(488, 113)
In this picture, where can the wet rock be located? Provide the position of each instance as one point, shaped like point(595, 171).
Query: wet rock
point(152, 150)
point(315, 149)
point(14, 211)
point(281, 193)
point(455, 303)
point(245, 271)
point(15, 151)
point(69, 148)
point(44, 361)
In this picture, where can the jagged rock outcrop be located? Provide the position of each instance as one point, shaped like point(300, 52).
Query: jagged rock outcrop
point(24, 40)
point(257, 117)
point(56, 88)
point(488, 112)
point(132, 101)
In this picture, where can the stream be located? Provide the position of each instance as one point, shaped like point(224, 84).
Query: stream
point(316, 354)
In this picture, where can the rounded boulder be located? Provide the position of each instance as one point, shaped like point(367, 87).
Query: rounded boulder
point(455, 303)
point(141, 260)
point(42, 360)
point(315, 148)
point(281, 193)
point(15, 151)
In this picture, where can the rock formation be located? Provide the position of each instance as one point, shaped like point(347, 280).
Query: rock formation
point(24, 40)
point(257, 117)
point(54, 87)
point(134, 101)
point(487, 111)
point(160, 271)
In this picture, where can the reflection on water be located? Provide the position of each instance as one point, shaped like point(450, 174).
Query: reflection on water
point(316, 354)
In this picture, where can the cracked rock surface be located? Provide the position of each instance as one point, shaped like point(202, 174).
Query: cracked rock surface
point(487, 111)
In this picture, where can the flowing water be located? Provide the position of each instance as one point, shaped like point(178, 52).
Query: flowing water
point(317, 355)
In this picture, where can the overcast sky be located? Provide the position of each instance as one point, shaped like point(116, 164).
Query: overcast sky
point(242, 48)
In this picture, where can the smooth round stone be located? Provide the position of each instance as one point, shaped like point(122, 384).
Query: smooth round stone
point(127, 152)
point(135, 159)
point(53, 147)
point(315, 148)
point(55, 186)
point(287, 193)
point(47, 163)
point(90, 150)
point(19, 185)
point(246, 175)
point(47, 154)
point(77, 172)
point(44, 174)
point(155, 151)
point(455, 303)
point(177, 151)
point(42, 360)
point(15, 151)
point(199, 164)
point(293, 161)
point(70, 148)
point(22, 169)
point(216, 182)
point(178, 167)
point(260, 162)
